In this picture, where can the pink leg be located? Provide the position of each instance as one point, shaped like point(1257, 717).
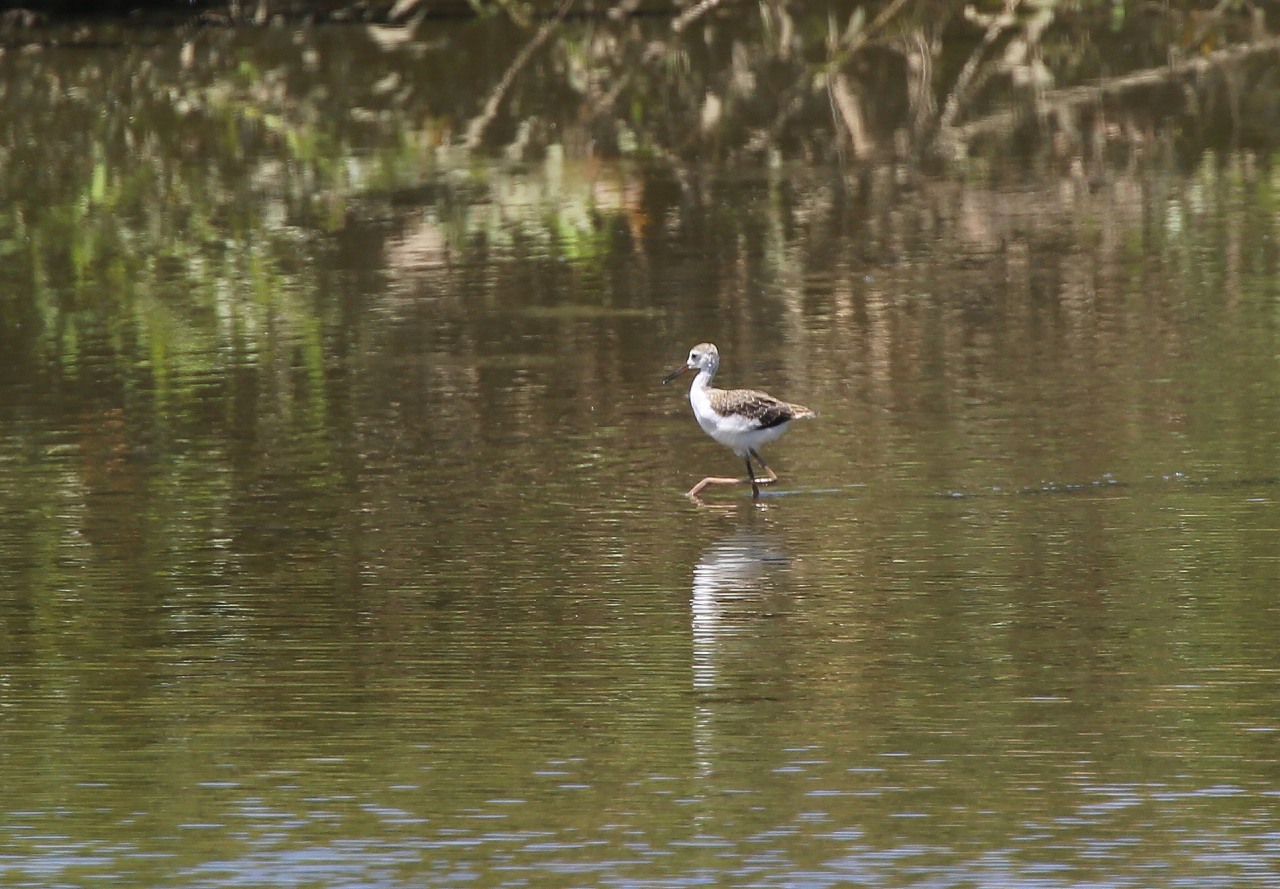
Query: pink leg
point(711, 480)
point(751, 478)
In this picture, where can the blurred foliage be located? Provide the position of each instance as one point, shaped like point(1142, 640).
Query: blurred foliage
point(174, 192)
point(185, 200)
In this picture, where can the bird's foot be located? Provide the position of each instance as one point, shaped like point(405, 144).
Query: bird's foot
point(693, 492)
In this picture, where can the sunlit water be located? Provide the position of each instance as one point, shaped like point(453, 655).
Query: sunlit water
point(360, 558)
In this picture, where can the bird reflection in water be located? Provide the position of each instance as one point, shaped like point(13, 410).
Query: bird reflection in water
point(731, 583)
point(734, 583)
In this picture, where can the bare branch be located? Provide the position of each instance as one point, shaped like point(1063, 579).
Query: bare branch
point(877, 23)
point(964, 81)
point(849, 106)
point(1091, 94)
point(480, 123)
point(693, 13)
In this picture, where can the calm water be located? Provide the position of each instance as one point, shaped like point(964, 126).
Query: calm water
point(342, 540)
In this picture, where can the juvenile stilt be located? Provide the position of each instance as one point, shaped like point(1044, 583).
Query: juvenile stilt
point(741, 419)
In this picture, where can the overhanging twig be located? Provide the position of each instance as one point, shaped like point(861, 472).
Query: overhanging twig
point(1071, 97)
point(964, 81)
point(480, 123)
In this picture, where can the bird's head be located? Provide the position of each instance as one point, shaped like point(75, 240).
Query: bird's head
point(702, 357)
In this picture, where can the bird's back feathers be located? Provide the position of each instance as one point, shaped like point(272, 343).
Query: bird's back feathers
point(762, 409)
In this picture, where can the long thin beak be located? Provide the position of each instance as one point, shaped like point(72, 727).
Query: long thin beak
point(679, 371)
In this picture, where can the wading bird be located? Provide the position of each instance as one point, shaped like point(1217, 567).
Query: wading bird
point(741, 419)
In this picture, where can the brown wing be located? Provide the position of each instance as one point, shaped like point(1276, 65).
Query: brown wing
point(760, 407)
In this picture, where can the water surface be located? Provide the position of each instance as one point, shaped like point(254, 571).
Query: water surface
point(343, 541)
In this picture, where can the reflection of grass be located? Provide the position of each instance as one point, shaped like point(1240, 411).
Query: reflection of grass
point(179, 218)
point(180, 262)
